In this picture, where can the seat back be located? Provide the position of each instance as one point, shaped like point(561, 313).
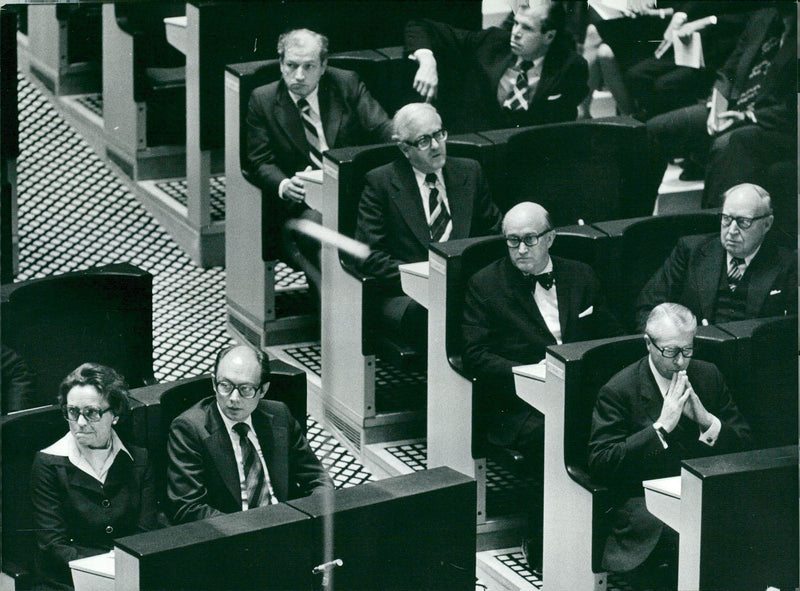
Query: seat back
point(103, 315)
point(9, 130)
point(645, 245)
point(580, 170)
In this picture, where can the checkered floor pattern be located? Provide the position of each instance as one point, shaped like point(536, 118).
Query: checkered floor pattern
point(395, 389)
point(177, 190)
point(516, 562)
point(92, 102)
point(74, 214)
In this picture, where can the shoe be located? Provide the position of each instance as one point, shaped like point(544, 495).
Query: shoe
point(534, 562)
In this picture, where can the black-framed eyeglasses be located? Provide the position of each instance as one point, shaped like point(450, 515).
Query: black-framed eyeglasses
point(672, 352)
point(743, 222)
point(530, 240)
point(424, 142)
point(90, 413)
point(226, 388)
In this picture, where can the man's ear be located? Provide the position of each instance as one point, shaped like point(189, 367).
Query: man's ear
point(549, 36)
point(323, 66)
point(264, 389)
point(404, 148)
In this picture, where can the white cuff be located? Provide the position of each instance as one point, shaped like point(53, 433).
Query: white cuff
point(282, 188)
point(710, 435)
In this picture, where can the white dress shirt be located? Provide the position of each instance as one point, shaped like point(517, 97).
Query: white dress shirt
point(547, 302)
point(424, 192)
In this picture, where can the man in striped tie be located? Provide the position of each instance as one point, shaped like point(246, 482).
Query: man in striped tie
point(290, 123)
point(420, 198)
point(237, 451)
point(738, 274)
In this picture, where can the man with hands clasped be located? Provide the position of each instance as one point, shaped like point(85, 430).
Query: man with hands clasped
point(665, 408)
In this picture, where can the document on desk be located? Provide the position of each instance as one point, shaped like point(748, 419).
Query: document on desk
point(414, 281)
point(689, 53)
point(93, 573)
point(663, 499)
point(537, 371)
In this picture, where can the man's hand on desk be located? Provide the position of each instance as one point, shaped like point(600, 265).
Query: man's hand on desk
point(293, 189)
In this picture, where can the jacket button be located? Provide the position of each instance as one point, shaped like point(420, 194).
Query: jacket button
point(109, 529)
point(106, 503)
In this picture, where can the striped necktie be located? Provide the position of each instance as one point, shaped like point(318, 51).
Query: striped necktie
point(255, 481)
point(440, 217)
point(309, 125)
point(516, 100)
point(735, 272)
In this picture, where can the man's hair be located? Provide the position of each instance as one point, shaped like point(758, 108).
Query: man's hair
point(680, 316)
point(761, 192)
point(406, 115)
point(293, 37)
point(263, 361)
point(109, 384)
point(555, 19)
point(547, 217)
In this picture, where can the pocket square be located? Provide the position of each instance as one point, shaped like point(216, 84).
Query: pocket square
point(554, 97)
point(586, 312)
point(775, 292)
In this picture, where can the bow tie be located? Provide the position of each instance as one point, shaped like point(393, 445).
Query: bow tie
point(546, 280)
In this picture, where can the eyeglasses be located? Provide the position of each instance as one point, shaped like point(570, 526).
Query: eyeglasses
point(530, 240)
point(742, 222)
point(90, 413)
point(226, 388)
point(672, 352)
point(423, 142)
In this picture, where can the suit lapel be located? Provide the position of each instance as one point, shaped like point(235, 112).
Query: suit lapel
point(709, 273)
point(220, 449)
point(522, 292)
point(497, 70)
point(406, 196)
point(266, 432)
point(652, 399)
point(564, 296)
point(760, 274)
point(460, 203)
point(330, 111)
point(288, 117)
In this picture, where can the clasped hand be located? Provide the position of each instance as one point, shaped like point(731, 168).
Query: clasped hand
point(681, 400)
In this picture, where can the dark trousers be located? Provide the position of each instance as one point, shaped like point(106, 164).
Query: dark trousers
point(658, 85)
point(407, 320)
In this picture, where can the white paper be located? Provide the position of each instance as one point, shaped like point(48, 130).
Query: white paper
point(689, 53)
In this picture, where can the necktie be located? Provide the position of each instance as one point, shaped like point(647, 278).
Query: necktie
point(315, 152)
point(546, 280)
point(735, 272)
point(516, 99)
point(440, 217)
point(255, 482)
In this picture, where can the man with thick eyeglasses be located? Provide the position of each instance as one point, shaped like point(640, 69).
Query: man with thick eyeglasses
point(742, 273)
point(665, 408)
point(420, 198)
point(513, 310)
point(290, 123)
point(236, 450)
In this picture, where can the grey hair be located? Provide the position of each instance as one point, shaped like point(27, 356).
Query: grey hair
point(293, 37)
point(406, 115)
point(680, 316)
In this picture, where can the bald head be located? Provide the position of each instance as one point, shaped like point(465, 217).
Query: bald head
point(529, 222)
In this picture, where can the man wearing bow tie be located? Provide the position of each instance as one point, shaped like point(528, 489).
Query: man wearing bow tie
point(513, 310)
point(493, 79)
point(736, 275)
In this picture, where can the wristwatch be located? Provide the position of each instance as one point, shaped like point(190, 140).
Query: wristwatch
point(661, 430)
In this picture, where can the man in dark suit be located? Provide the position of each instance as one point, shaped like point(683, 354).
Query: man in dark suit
point(647, 418)
point(699, 272)
point(751, 120)
point(237, 451)
point(513, 310)
point(290, 123)
point(421, 198)
point(493, 79)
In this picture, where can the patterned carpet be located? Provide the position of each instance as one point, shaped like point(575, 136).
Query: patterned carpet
point(74, 213)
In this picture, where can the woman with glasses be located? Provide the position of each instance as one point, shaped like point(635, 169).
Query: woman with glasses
point(88, 488)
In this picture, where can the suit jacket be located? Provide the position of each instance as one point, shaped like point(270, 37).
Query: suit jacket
point(502, 326)
point(277, 147)
point(391, 217)
point(775, 107)
point(691, 276)
point(471, 63)
point(624, 449)
point(202, 476)
point(72, 510)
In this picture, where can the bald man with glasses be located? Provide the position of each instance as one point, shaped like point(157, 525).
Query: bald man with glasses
point(665, 408)
point(739, 274)
point(513, 310)
point(236, 450)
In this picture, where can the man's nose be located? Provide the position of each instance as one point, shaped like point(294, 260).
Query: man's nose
point(82, 420)
point(523, 247)
point(300, 74)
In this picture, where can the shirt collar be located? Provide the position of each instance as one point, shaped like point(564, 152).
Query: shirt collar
point(229, 423)
point(662, 382)
point(747, 259)
point(420, 176)
point(67, 447)
point(312, 98)
point(548, 268)
point(537, 63)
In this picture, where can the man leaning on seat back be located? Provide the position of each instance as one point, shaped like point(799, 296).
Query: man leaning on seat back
point(650, 416)
point(742, 273)
point(236, 451)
